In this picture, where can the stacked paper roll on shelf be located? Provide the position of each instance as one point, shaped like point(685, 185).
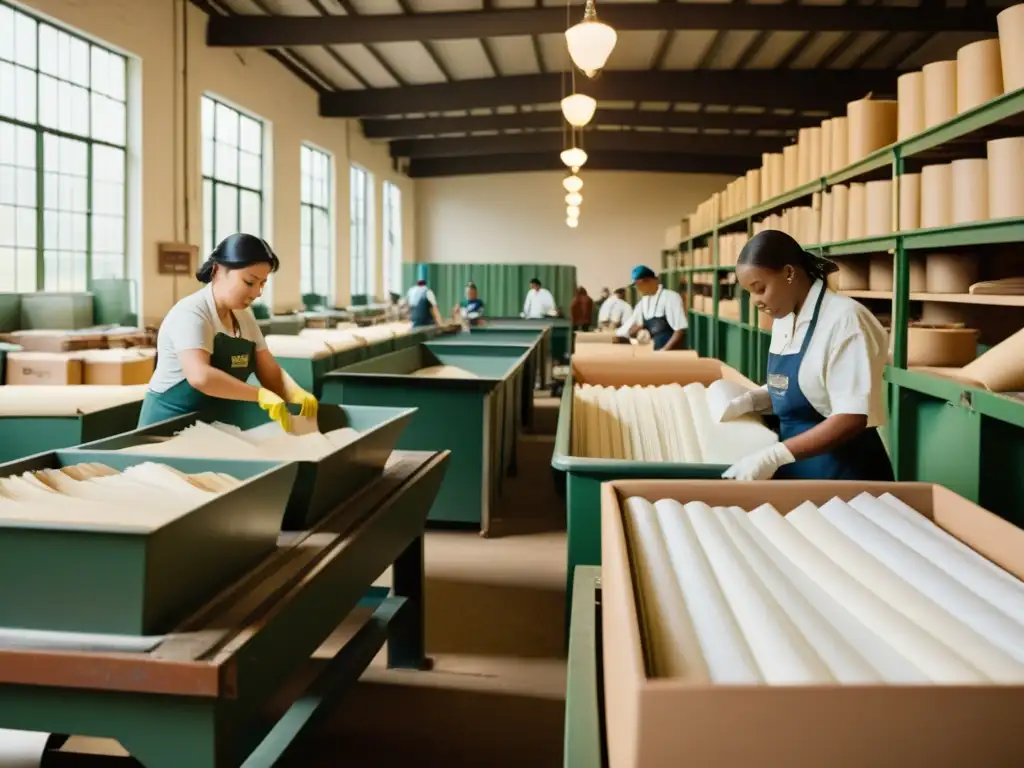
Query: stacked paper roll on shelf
point(941, 347)
point(857, 208)
point(880, 273)
point(910, 100)
point(754, 187)
point(939, 92)
point(840, 143)
point(939, 313)
point(910, 201)
point(766, 176)
point(979, 75)
point(840, 212)
point(878, 208)
point(1005, 180)
point(936, 196)
point(790, 167)
point(803, 156)
point(853, 274)
point(776, 167)
point(918, 275)
point(1001, 369)
point(970, 190)
point(825, 166)
point(814, 142)
point(950, 272)
point(826, 218)
point(1010, 23)
point(871, 125)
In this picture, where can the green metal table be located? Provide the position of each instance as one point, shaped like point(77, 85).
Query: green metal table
point(196, 699)
point(584, 745)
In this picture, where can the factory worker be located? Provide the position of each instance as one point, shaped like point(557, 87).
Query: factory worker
point(209, 344)
point(539, 302)
point(824, 370)
point(422, 306)
point(660, 312)
point(615, 310)
point(471, 308)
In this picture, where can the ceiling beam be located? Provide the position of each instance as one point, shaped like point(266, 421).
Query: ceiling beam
point(430, 167)
point(636, 118)
point(797, 89)
point(278, 31)
point(594, 141)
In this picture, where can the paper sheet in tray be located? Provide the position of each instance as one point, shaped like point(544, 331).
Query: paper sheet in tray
point(28, 400)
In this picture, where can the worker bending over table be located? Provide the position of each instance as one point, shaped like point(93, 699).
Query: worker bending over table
point(615, 310)
point(210, 344)
point(825, 365)
point(659, 312)
point(423, 305)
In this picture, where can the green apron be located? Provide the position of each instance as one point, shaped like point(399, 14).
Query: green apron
point(233, 355)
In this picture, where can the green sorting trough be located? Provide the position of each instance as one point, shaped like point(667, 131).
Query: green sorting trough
point(560, 338)
point(320, 486)
point(116, 577)
point(22, 436)
point(542, 354)
point(583, 476)
point(473, 418)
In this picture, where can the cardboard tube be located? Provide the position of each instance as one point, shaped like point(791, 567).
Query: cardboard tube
point(878, 208)
point(814, 146)
point(880, 273)
point(840, 140)
point(1005, 179)
point(766, 176)
point(855, 224)
point(936, 195)
point(918, 278)
point(754, 188)
point(826, 218)
point(1001, 369)
point(871, 125)
point(778, 178)
point(840, 212)
point(941, 313)
point(803, 156)
point(853, 274)
point(939, 92)
point(1011, 46)
point(941, 347)
point(950, 272)
point(970, 190)
point(910, 201)
point(979, 74)
point(790, 167)
point(910, 98)
point(826, 148)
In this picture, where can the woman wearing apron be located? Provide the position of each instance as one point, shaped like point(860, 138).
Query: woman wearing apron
point(209, 344)
point(825, 368)
point(660, 312)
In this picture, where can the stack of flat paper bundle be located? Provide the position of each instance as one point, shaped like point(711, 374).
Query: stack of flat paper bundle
point(1009, 286)
point(17, 400)
point(266, 442)
point(311, 347)
point(445, 372)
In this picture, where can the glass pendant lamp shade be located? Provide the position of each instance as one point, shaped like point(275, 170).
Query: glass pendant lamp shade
point(590, 42)
point(572, 223)
point(572, 183)
point(572, 211)
point(574, 198)
point(578, 109)
point(574, 158)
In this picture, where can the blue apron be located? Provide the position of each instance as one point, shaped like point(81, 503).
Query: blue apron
point(658, 327)
point(419, 309)
point(862, 458)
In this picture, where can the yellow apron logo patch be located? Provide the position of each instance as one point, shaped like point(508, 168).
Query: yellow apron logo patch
point(239, 361)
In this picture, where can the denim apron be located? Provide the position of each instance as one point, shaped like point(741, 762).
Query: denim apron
point(232, 354)
point(658, 327)
point(862, 458)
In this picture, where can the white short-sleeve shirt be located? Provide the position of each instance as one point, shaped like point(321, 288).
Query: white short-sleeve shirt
point(193, 323)
point(846, 357)
point(667, 304)
point(615, 311)
point(538, 303)
point(417, 292)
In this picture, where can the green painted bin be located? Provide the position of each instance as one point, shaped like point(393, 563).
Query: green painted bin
point(473, 418)
point(22, 436)
point(320, 486)
point(560, 338)
point(138, 582)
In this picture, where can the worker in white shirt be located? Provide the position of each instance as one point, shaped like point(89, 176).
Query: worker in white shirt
point(423, 306)
point(660, 312)
point(825, 366)
point(615, 310)
point(539, 302)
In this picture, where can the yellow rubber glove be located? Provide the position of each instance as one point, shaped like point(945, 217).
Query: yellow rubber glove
point(296, 395)
point(275, 407)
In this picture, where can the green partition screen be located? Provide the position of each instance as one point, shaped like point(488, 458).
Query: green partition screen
point(503, 287)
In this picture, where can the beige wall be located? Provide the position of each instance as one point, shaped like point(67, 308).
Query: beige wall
point(520, 217)
point(150, 31)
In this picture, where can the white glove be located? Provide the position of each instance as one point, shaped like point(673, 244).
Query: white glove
point(761, 465)
point(752, 401)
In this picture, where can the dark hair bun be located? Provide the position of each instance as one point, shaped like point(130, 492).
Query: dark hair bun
point(205, 272)
point(235, 252)
point(774, 249)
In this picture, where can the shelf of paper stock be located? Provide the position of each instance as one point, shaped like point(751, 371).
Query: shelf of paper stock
point(894, 191)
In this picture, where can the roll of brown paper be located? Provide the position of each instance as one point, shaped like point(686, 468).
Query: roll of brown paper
point(941, 313)
point(826, 148)
point(753, 188)
point(942, 347)
point(803, 156)
point(778, 178)
point(840, 212)
point(855, 224)
point(1011, 46)
point(871, 125)
point(790, 167)
point(826, 218)
point(910, 201)
point(880, 273)
point(878, 208)
point(1005, 177)
point(853, 274)
point(840, 140)
point(970, 190)
point(910, 97)
point(950, 272)
point(918, 275)
point(939, 92)
point(936, 195)
point(766, 176)
point(1001, 369)
point(814, 147)
point(979, 74)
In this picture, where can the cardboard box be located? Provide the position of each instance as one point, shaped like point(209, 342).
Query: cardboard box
point(119, 367)
point(665, 723)
point(58, 341)
point(653, 370)
point(43, 368)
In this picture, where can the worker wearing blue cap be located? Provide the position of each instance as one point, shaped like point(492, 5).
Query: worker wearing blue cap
point(660, 312)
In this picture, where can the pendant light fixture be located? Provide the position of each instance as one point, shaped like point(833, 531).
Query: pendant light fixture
point(578, 109)
point(590, 42)
point(574, 198)
point(572, 183)
point(574, 158)
point(572, 223)
point(572, 211)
